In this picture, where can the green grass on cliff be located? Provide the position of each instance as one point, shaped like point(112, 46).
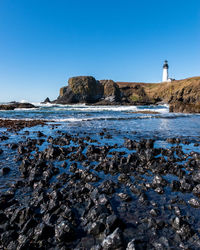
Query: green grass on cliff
point(135, 98)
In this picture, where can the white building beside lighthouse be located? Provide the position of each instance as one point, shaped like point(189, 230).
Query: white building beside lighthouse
point(165, 77)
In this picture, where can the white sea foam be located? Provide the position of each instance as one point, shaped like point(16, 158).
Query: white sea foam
point(24, 101)
point(89, 108)
point(72, 119)
point(25, 109)
point(85, 108)
point(22, 119)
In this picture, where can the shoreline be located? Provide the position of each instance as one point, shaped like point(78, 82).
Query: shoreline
point(82, 194)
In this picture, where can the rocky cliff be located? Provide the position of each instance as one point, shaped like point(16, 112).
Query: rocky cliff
point(182, 95)
point(81, 89)
point(86, 89)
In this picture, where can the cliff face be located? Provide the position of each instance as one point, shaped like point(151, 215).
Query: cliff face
point(136, 93)
point(80, 89)
point(182, 95)
point(86, 89)
point(186, 91)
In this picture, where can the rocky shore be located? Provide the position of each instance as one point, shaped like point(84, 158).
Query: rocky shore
point(16, 125)
point(78, 193)
point(182, 96)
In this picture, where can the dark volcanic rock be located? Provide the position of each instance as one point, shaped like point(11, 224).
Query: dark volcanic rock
point(14, 105)
point(64, 232)
point(75, 193)
point(194, 202)
point(47, 100)
point(113, 241)
point(5, 170)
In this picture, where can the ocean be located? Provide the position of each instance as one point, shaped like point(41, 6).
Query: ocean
point(121, 119)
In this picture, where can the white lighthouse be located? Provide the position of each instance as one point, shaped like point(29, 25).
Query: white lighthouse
point(165, 72)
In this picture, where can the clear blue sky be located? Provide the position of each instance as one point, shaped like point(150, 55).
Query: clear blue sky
point(44, 42)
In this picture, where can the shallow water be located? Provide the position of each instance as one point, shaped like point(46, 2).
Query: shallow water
point(82, 118)
point(109, 126)
point(117, 121)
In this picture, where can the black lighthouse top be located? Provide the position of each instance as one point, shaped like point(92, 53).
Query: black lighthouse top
point(166, 66)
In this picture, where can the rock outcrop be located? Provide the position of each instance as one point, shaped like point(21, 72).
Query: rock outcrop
point(182, 95)
point(16, 105)
point(135, 93)
point(81, 89)
point(86, 89)
point(47, 100)
point(180, 107)
point(111, 90)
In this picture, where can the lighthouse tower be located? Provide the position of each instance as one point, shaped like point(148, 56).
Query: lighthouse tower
point(165, 72)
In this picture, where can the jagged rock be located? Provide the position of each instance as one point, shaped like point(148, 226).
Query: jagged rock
point(43, 231)
point(47, 100)
point(194, 203)
point(196, 176)
point(124, 196)
point(177, 223)
point(96, 228)
point(113, 241)
point(131, 245)
point(64, 232)
point(196, 190)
